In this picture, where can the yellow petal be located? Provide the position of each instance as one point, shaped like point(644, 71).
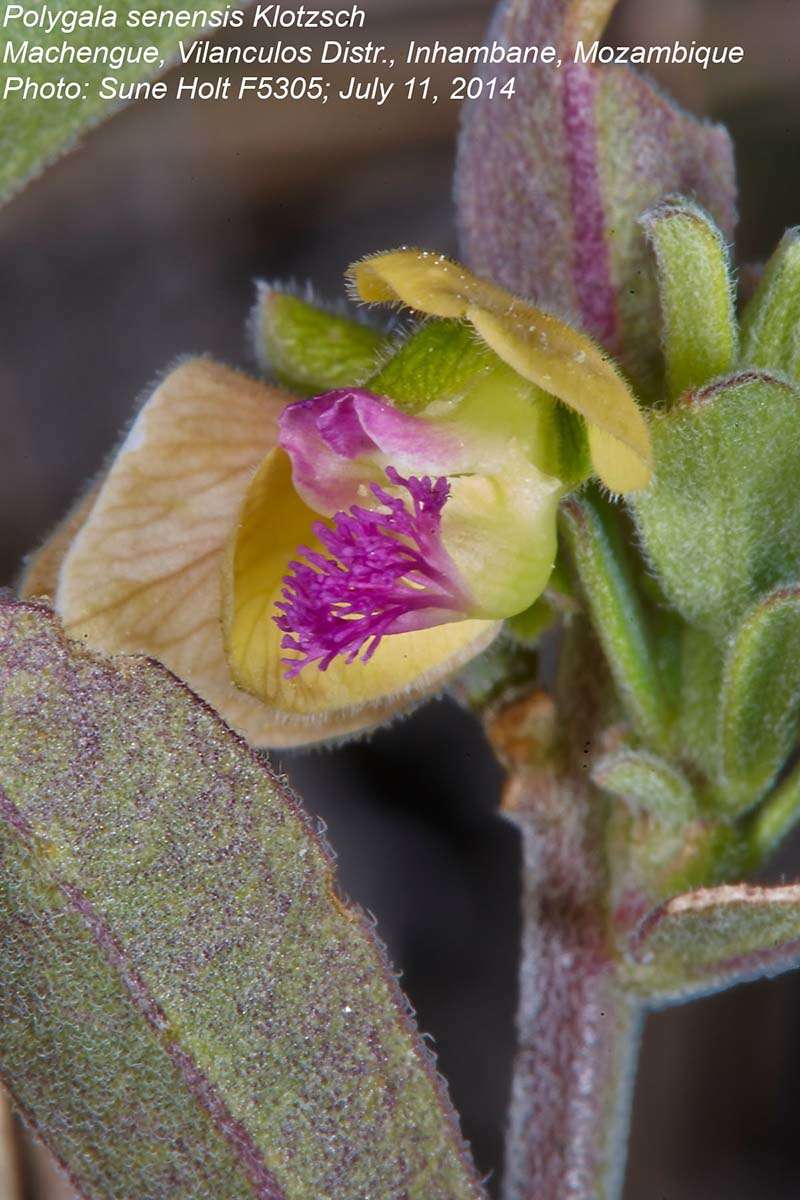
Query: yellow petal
point(273, 522)
point(620, 468)
point(568, 365)
point(430, 283)
point(143, 574)
point(539, 347)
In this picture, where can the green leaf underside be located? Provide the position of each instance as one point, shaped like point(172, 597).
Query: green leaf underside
point(172, 944)
point(698, 320)
point(309, 349)
point(34, 131)
point(760, 698)
point(726, 464)
point(712, 938)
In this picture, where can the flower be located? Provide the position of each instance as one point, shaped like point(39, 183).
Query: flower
point(434, 527)
point(313, 566)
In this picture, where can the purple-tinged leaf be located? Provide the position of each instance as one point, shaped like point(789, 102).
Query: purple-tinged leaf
point(188, 1007)
point(709, 939)
point(550, 183)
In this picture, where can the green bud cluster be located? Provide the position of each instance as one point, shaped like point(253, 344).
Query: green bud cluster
point(697, 602)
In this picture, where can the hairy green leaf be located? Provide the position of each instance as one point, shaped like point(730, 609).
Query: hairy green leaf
point(550, 184)
point(83, 1063)
point(646, 784)
point(760, 698)
point(309, 349)
point(36, 126)
point(776, 817)
point(771, 320)
point(709, 939)
point(696, 732)
point(188, 1008)
point(695, 287)
point(721, 521)
point(617, 612)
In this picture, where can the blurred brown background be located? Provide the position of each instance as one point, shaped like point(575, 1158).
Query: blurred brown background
point(143, 245)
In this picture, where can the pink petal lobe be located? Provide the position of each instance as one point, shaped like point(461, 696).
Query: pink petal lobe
point(339, 443)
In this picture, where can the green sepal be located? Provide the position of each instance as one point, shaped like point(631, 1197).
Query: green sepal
point(771, 320)
point(309, 349)
point(438, 361)
point(721, 521)
point(696, 293)
point(575, 464)
point(646, 784)
point(760, 698)
point(608, 582)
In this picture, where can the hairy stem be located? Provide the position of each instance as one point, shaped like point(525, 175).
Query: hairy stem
point(578, 1032)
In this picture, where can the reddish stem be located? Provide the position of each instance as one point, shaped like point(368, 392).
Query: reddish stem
point(577, 1029)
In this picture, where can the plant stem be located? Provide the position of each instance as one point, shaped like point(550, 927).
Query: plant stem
point(578, 1031)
